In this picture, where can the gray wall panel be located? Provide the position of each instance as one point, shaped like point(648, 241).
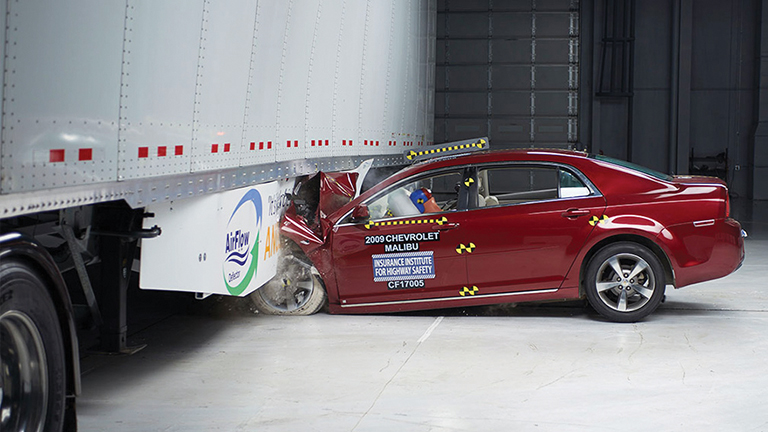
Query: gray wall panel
point(652, 47)
point(468, 78)
point(554, 103)
point(462, 5)
point(552, 25)
point(440, 99)
point(512, 67)
point(711, 50)
point(694, 86)
point(513, 51)
point(511, 103)
point(552, 5)
point(513, 24)
point(551, 130)
point(468, 128)
point(464, 25)
point(511, 77)
point(464, 51)
point(551, 51)
point(468, 104)
point(612, 133)
point(651, 130)
point(512, 130)
point(709, 109)
point(551, 77)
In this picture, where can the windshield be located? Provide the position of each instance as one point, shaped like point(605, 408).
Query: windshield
point(636, 167)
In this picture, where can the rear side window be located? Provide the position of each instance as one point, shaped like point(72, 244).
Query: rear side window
point(523, 184)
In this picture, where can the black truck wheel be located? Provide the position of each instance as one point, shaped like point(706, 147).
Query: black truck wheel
point(32, 379)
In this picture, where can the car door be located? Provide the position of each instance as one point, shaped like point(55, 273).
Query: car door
point(528, 225)
point(406, 250)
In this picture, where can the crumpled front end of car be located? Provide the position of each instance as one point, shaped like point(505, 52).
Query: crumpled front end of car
point(306, 219)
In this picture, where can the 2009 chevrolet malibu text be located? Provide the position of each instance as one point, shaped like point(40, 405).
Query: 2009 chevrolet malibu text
point(465, 226)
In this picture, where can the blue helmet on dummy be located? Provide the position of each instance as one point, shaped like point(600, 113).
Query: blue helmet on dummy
point(419, 197)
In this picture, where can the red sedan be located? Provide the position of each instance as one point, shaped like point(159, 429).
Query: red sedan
point(503, 227)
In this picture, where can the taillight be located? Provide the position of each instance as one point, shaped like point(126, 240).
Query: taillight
point(727, 204)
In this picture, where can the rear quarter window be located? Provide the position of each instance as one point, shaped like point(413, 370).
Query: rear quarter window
point(634, 167)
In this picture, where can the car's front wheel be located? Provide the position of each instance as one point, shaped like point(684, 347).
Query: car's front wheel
point(624, 282)
point(296, 290)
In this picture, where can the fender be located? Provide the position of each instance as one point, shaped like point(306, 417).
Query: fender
point(314, 246)
point(629, 226)
point(19, 246)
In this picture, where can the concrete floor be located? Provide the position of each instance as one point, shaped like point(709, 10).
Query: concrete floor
point(698, 363)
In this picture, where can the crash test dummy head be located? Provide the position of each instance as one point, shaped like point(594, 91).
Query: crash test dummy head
point(424, 201)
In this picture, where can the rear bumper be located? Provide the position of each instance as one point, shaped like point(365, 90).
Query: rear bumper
point(743, 254)
point(700, 255)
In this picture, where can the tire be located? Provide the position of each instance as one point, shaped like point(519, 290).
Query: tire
point(632, 295)
point(32, 380)
point(297, 289)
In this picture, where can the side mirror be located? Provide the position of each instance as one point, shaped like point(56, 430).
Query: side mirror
point(360, 213)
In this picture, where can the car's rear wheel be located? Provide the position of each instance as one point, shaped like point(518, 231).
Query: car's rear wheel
point(624, 282)
point(296, 290)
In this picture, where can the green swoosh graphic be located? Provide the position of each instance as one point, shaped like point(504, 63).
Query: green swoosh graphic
point(237, 290)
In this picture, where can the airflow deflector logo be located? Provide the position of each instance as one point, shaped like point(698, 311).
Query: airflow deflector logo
point(242, 243)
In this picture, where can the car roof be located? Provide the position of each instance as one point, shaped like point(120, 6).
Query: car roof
point(488, 156)
point(602, 175)
point(529, 154)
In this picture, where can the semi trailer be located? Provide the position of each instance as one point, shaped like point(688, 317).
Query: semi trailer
point(181, 122)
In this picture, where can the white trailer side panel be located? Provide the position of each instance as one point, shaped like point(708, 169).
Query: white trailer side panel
point(3, 9)
point(292, 86)
point(372, 115)
point(414, 79)
point(160, 60)
point(430, 38)
point(155, 100)
point(222, 84)
point(62, 90)
point(348, 76)
point(396, 85)
point(318, 117)
point(263, 89)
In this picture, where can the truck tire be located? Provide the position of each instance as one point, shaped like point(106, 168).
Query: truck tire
point(32, 380)
point(297, 290)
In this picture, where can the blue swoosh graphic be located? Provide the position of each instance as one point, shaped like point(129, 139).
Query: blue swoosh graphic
point(233, 257)
point(239, 255)
point(254, 197)
point(240, 263)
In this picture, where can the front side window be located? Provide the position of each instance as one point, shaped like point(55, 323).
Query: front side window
point(521, 184)
point(428, 194)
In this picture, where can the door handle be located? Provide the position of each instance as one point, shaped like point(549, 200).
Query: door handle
point(574, 213)
point(445, 226)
